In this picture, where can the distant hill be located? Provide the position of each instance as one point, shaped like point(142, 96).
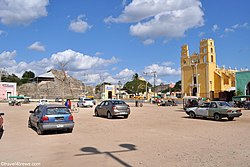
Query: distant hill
point(52, 89)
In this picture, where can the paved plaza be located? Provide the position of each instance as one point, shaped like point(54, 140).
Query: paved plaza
point(151, 136)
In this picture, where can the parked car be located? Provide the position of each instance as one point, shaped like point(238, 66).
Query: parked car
point(112, 108)
point(1, 125)
point(51, 117)
point(58, 99)
point(214, 109)
point(85, 102)
point(43, 102)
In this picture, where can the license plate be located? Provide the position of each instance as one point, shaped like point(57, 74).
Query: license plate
point(59, 126)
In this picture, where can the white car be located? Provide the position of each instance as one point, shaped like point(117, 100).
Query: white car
point(43, 102)
point(85, 102)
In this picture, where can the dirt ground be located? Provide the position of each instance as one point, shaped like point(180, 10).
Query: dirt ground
point(151, 136)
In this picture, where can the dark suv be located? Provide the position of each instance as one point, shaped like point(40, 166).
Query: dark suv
point(51, 117)
point(1, 125)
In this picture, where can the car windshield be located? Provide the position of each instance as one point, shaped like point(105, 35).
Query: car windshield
point(225, 104)
point(57, 111)
point(118, 102)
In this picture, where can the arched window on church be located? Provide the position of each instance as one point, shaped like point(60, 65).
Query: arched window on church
point(212, 58)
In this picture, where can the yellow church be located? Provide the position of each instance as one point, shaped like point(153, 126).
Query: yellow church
point(200, 74)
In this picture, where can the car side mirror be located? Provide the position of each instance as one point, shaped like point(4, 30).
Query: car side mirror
point(31, 112)
point(1, 113)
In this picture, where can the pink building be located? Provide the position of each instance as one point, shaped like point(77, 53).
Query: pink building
point(7, 89)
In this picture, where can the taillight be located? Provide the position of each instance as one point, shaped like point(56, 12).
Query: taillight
point(239, 110)
point(229, 110)
point(45, 118)
point(71, 118)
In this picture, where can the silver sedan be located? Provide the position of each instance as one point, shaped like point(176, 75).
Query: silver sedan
point(112, 108)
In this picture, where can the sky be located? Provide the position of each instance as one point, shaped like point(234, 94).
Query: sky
point(109, 41)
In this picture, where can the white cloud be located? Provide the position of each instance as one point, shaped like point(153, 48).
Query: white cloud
point(98, 53)
point(148, 41)
point(237, 26)
point(79, 25)
point(125, 74)
point(7, 59)
point(215, 28)
point(3, 33)
point(201, 34)
point(22, 11)
point(157, 18)
point(37, 46)
point(162, 70)
point(76, 62)
point(229, 30)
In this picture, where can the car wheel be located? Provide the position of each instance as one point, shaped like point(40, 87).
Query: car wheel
point(29, 124)
point(70, 130)
point(109, 115)
point(217, 117)
point(230, 118)
point(39, 130)
point(125, 116)
point(77, 105)
point(96, 113)
point(192, 114)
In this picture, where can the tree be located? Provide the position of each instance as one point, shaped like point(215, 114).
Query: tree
point(28, 74)
point(11, 78)
point(136, 85)
point(135, 76)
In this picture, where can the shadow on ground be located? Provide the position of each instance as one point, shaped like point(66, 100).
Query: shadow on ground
point(94, 151)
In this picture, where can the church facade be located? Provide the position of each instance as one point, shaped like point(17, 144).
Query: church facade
point(200, 74)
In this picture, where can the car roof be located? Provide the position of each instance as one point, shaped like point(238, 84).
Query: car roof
point(53, 105)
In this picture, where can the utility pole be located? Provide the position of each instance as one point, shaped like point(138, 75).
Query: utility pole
point(154, 73)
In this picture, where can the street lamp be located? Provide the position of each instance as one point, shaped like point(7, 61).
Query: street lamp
point(85, 86)
point(154, 74)
point(120, 85)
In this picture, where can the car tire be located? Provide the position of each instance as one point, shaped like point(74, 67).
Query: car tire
point(29, 124)
point(109, 115)
point(70, 130)
point(192, 114)
point(39, 130)
point(217, 117)
point(77, 105)
point(96, 113)
point(125, 116)
point(230, 118)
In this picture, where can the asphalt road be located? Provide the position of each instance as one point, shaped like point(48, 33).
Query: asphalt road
point(151, 136)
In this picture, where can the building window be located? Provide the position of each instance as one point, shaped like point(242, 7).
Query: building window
point(226, 81)
point(195, 81)
point(212, 58)
point(212, 50)
point(184, 62)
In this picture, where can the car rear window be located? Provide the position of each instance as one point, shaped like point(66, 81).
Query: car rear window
point(57, 111)
point(118, 102)
point(224, 104)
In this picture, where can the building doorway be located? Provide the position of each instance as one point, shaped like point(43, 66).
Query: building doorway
point(109, 94)
point(211, 95)
point(248, 89)
point(194, 93)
